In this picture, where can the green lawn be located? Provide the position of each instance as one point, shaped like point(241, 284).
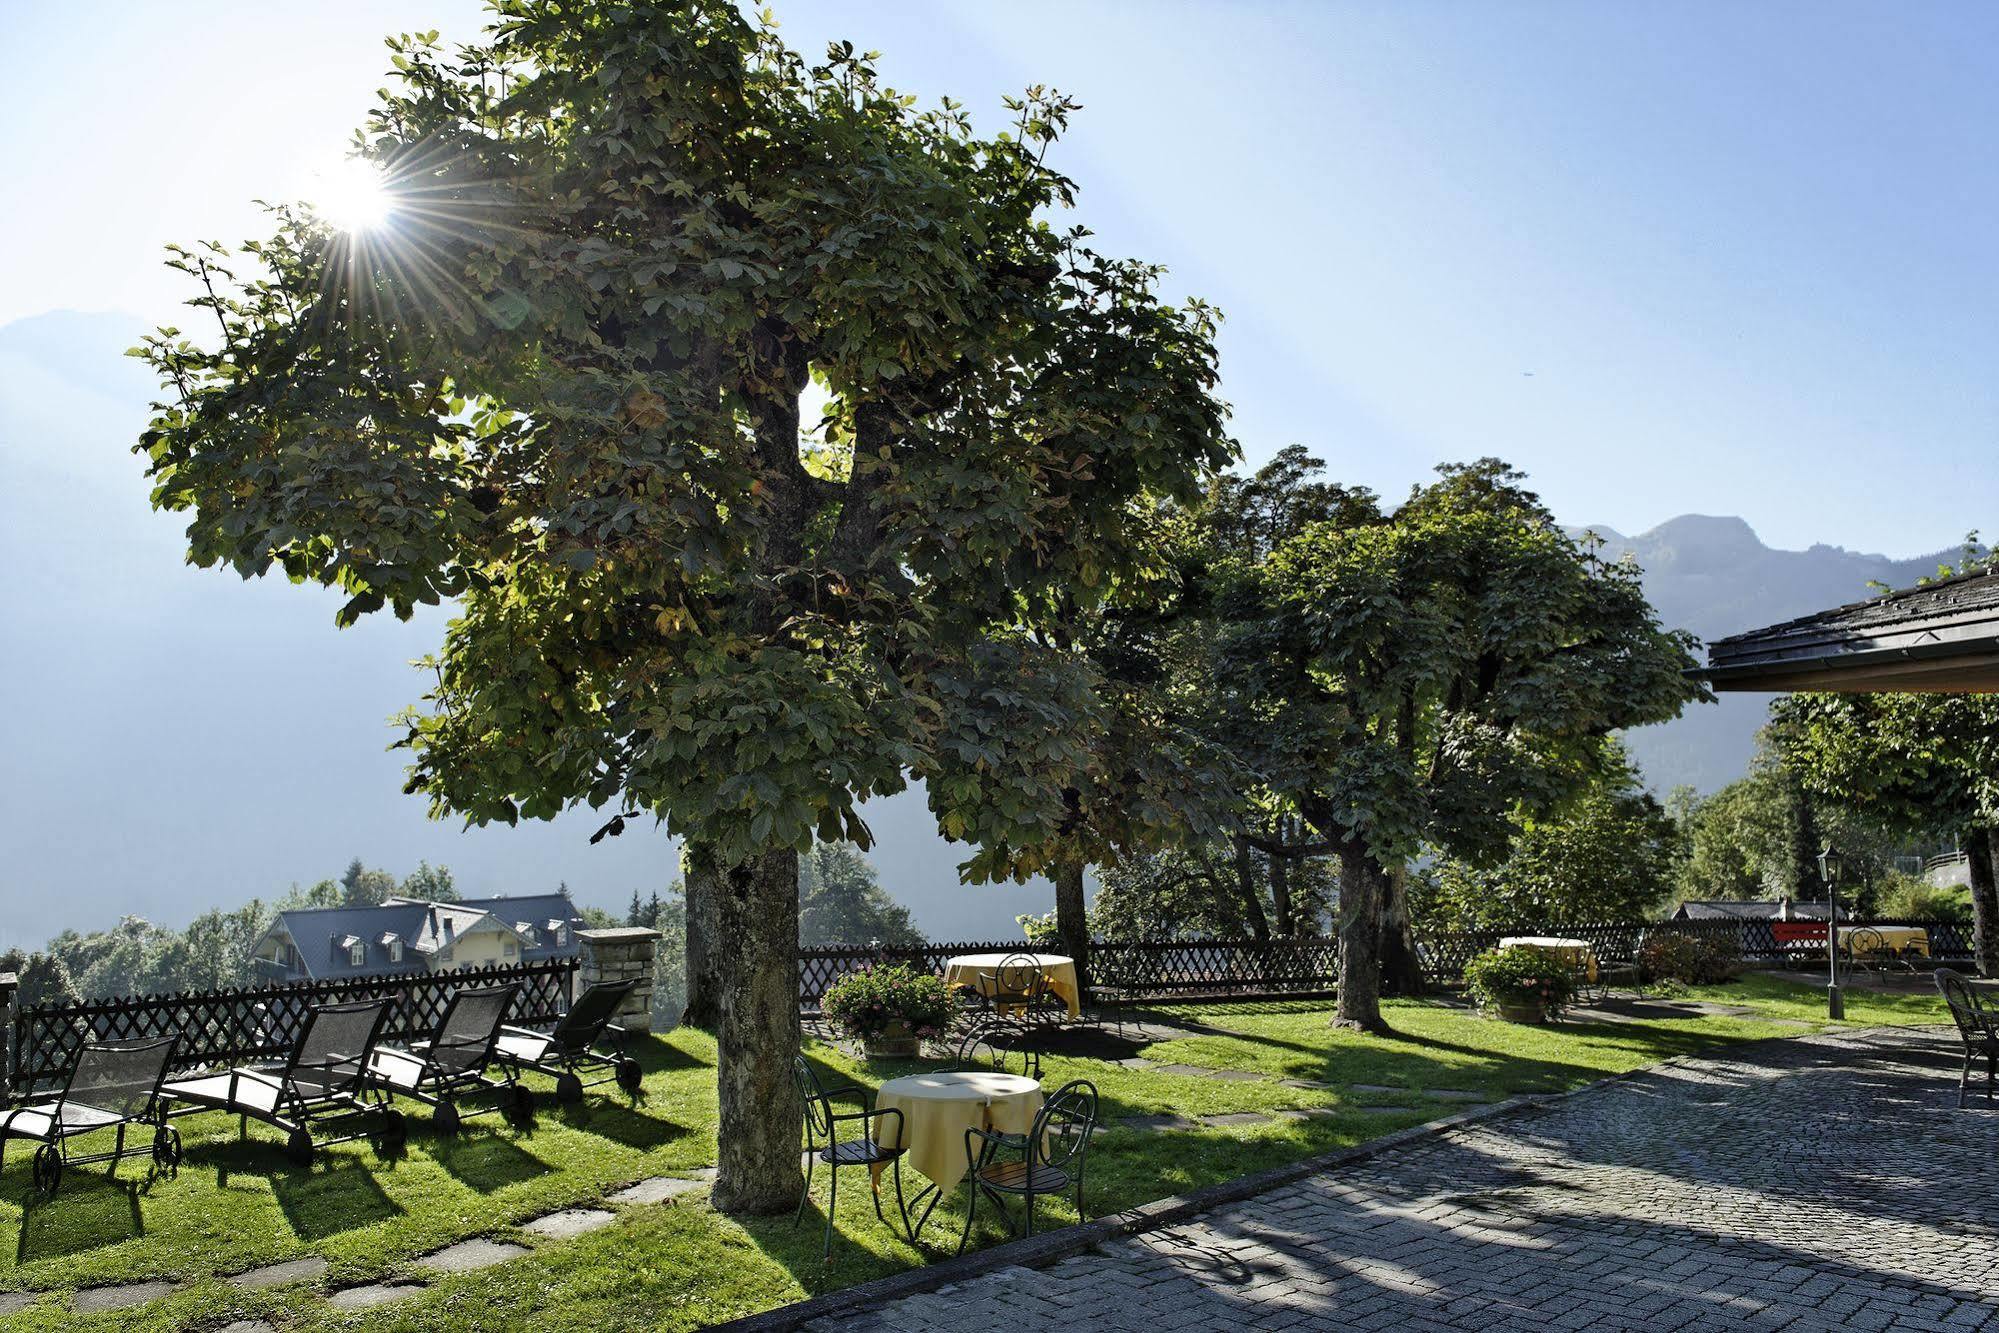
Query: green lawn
point(239, 1204)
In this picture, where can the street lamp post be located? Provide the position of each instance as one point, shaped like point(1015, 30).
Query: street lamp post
point(1829, 867)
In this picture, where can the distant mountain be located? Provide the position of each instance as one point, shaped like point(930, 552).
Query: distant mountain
point(1714, 576)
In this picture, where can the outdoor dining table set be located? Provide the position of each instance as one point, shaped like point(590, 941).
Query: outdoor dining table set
point(338, 1080)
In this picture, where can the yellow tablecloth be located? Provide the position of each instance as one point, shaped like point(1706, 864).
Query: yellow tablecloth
point(1902, 939)
point(1576, 953)
point(937, 1109)
point(1058, 970)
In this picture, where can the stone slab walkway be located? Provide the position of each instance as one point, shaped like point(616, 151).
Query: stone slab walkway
point(1811, 1184)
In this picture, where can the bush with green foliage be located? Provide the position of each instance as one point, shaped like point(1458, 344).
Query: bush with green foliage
point(1902, 897)
point(1695, 960)
point(1519, 975)
point(863, 1004)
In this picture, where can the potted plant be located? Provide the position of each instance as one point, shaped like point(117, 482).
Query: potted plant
point(1521, 985)
point(889, 1009)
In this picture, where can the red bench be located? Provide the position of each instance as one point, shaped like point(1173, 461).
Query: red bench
point(1799, 940)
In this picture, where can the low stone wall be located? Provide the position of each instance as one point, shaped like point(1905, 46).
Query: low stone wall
point(624, 953)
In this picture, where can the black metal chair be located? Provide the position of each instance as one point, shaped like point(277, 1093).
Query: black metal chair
point(1052, 1156)
point(1120, 980)
point(451, 1066)
point(1018, 989)
point(998, 1045)
point(319, 1087)
point(1977, 1028)
point(566, 1053)
point(824, 1144)
point(112, 1085)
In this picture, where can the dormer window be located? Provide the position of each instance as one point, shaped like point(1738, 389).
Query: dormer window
point(557, 934)
point(394, 944)
point(356, 949)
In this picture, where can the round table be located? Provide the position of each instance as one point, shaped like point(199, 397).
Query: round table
point(1574, 953)
point(1901, 940)
point(937, 1109)
point(1058, 972)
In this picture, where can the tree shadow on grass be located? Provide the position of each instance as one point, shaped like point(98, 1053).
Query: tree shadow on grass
point(622, 1124)
point(88, 1212)
point(487, 1162)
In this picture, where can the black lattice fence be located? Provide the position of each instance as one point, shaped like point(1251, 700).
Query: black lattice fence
point(1311, 964)
point(261, 1022)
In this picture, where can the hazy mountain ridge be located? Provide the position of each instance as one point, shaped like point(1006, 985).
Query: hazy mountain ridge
point(1715, 577)
point(180, 738)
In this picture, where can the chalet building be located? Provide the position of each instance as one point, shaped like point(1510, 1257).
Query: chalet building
point(1753, 909)
point(411, 935)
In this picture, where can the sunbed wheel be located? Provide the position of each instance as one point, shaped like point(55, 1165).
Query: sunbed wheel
point(48, 1168)
point(298, 1147)
point(445, 1117)
point(520, 1106)
point(166, 1148)
point(568, 1088)
point(629, 1074)
point(395, 1130)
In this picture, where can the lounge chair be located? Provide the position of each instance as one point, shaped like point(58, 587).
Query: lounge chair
point(112, 1085)
point(566, 1053)
point(452, 1065)
point(318, 1088)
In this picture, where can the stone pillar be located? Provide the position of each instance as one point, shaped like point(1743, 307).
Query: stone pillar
point(623, 953)
point(10, 990)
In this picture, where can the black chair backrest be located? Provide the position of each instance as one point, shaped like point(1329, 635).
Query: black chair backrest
point(1864, 943)
point(813, 1101)
point(331, 1055)
point(998, 1046)
point(122, 1077)
point(1063, 1127)
point(470, 1028)
point(1018, 975)
point(590, 1015)
point(1974, 1021)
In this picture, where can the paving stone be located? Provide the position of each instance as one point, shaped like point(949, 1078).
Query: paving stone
point(308, 1269)
point(248, 1326)
point(1139, 1062)
point(1228, 1118)
point(1455, 1095)
point(1816, 1183)
point(1186, 1071)
point(569, 1222)
point(1384, 1110)
point(1311, 1083)
point(96, 1300)
point(658, 1189)
point(1308, 1112)
point(1167, 1121)
point(1375, 1087)
point(469, 1256)
point(371, 1295)
point(13, 1302)
point(1239, 1076)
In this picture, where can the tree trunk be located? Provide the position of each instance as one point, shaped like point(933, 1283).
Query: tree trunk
point(1401, 969)
point(703, 894)
point(757, 1133)
point(1250, 892)
point(1071, 922)
point(1280, 885)
point(1359, 1001)
point(1981, 854)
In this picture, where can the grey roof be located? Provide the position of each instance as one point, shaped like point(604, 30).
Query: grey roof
point(1938, 636)
point(322, 934)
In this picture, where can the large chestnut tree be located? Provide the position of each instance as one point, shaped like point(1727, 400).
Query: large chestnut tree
point(561, 389)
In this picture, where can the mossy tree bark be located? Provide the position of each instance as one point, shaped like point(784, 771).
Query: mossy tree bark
point(1981, 848)
point(1401, 969)
point(1071, 920)
point(704, 932)
point(1361, 892)
point(757, 1145)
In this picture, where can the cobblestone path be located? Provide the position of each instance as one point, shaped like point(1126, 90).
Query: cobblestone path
point(1819, 1183)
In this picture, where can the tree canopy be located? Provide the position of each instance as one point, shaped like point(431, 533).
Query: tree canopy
point(562, 387)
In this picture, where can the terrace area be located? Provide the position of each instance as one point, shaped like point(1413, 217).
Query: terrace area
point(595, 1217)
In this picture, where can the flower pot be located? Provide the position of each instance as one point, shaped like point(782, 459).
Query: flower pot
point(1522, 1011)
point(894, 1042)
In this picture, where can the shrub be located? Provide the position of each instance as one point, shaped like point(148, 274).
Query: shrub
point(1696, 960)
point(1907, 898)
point(1519, 975)
point(863, 1004)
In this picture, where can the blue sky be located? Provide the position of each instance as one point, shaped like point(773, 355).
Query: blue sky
point(1723, 258)
point(1717, 258)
